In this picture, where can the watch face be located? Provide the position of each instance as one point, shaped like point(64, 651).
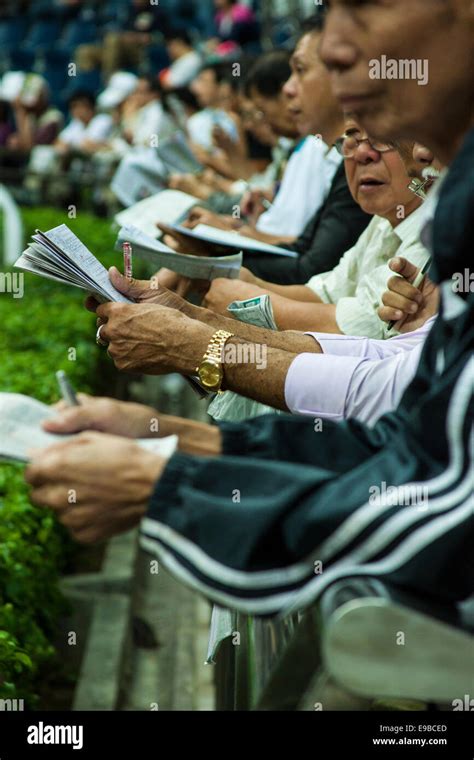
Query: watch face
point(210, 374)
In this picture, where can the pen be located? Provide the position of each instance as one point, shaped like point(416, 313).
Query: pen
point(67, 391)
point(127, 260)
point(416, 284)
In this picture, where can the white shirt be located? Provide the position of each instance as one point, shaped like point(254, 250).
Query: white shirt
point(200, 126)
point(150, 122)
point(354, 377)
point(98, 130)
point(358, 377)
point(358, 282)
point(304, 188)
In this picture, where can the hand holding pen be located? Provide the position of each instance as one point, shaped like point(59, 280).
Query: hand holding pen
point(409, 300)
point(67, 391)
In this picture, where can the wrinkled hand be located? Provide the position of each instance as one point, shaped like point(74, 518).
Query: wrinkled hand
point(182, 286)
point(98, 485)
point(182, 244)
point(152, 339)
point(199, 215)
point(222, 292)
point(142, 291)
point(104, 415)
point(404, 304)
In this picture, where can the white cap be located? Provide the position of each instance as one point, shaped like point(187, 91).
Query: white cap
point(12, 84)
point(120, 86)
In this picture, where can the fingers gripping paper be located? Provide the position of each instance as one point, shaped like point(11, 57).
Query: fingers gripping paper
point(59, 255)
point(194, 267)
point(21, 418)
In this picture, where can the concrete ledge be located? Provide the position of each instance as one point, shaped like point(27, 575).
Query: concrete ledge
point(100, 681)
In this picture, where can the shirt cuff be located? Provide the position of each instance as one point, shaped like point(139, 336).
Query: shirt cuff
point(318, 385)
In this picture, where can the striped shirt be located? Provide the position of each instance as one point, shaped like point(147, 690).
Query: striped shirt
point(357, 283)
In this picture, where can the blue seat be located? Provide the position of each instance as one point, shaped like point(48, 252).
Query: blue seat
point(12, 33)
point(21, 60)
point(57, 79)
point(42, 35)
point(78, 33)
point(157, 58)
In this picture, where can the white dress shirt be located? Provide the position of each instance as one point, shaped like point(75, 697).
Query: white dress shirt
point(304, 188)
point(98, 130)
point(358, 282)
point(354, 377)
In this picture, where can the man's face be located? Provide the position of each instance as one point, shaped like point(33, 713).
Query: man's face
point(254, 122)
point(440, 32)
point(173, 48)
point(276, 113)
point(143, 94)
point(308, 90)
point(379, 180)
point(82, 110)
point(206, 88)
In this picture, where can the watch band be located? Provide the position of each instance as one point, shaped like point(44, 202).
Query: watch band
point(216, 346)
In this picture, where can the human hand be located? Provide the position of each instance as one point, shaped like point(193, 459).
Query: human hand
point(182, 243)
point(407, 306)
point(152, 339)
point(223, 291)
point(199, 215)
point(98, 485)
point(104, 415)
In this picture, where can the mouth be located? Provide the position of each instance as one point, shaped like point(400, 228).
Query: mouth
point(369, 184)
point(350, 102)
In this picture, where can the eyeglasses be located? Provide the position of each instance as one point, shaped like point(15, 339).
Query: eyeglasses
point(255, 116)
point(348, 144)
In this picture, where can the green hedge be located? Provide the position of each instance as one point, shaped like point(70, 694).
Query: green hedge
point(36, 333)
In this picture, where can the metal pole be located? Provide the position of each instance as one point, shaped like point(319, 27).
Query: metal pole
point(12, 229)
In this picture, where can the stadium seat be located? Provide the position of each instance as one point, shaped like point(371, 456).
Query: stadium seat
point(78, 33)
point(157, 58)
point(42, 35)
point(21, 60)
point(12, 32)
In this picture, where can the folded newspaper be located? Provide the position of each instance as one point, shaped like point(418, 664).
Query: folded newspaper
point(59, 255)
point(167, 206)
point(230, 239)
point(21, 418)
point(195, 267)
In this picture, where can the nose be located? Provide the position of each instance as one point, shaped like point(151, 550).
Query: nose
point(365, 154)
point(336, 49)
point(422, 155)
point(289, 88)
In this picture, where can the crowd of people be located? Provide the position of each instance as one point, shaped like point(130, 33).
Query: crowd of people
point(93, 101)
point(368, 376)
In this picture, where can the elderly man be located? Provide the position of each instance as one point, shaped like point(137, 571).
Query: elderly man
point(302, 498)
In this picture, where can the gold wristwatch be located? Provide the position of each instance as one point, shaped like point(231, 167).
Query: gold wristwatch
point(210, 371)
